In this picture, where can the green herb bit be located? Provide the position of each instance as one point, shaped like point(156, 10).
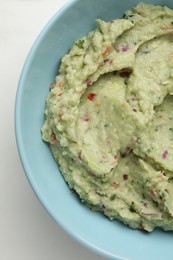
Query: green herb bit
point(132, 182)
point(80, 44)
point(162, 16)
point(128, 16)
point(155, 203)
point(132, 208)
point(113, 197)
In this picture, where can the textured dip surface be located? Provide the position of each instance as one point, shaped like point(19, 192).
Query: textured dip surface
point(109, 118)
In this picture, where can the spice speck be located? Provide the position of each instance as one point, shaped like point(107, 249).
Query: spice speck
point(164, 154)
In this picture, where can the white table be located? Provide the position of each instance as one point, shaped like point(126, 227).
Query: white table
point(27, 232)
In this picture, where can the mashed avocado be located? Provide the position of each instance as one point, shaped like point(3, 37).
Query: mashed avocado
point(109, 119)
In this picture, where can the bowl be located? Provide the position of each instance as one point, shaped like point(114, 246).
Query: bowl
point(109, 238)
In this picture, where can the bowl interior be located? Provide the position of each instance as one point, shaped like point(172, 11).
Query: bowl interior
point(112, 239)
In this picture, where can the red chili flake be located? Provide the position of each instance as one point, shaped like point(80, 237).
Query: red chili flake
point(125, 177)
point(88, 82)
point(91, 96)
point(164, 154)
point(107, 61)
point(60, 84)
point(115, 184)
point(60, 94)
point(149, 214)
point(53, 138)
point(85, 118)
point(134, 110)
point(125, 48)
point(106, 51)
point(124, 73)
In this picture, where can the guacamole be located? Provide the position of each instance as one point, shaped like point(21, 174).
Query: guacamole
point(109, 120)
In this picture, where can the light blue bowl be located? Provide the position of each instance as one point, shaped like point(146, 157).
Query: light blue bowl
point(110, 239)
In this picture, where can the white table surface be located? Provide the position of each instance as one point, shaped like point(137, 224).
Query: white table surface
point(27, 232)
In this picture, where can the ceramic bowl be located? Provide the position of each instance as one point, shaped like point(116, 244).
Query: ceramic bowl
point(109, 238)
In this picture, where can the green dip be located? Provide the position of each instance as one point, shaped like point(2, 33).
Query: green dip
point(109, 118)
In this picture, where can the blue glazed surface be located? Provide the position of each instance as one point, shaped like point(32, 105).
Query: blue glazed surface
point(110, 239)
